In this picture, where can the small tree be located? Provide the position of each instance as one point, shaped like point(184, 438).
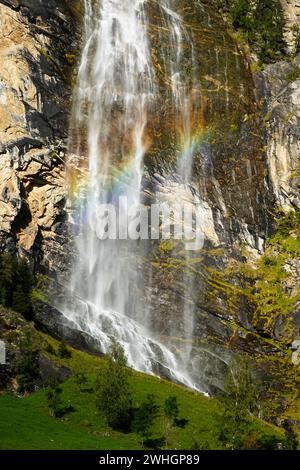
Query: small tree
point(268, 30)
point(144, 418)
point(291, 438)
point(50, 349)
point(7, 271)
point(113, 392)
point(171, 413)
point(16, 283)
point(27, 366)
point(21, 301)
point(240, 13)
point(81, 379)
point(63, 351)
point(53, 397)
point(239, 400)
point(171, 409)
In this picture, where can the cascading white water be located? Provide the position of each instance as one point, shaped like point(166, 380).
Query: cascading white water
point(180, 86)
point(115, 92)
point(181, 89)
point(115, 89)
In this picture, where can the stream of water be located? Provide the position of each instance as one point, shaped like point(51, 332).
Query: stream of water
point(115, 94)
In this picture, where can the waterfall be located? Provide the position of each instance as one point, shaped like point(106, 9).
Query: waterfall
point(180, 86)
point(184, 105)
point(114, 100)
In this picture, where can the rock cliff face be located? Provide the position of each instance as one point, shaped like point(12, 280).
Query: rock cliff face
point(279, 86)
point(37, 44)
point(292, 14)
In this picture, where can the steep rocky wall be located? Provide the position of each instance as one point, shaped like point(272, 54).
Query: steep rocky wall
point(281, 91)
point(38, 44)
point(279, 88)
point(292, 14)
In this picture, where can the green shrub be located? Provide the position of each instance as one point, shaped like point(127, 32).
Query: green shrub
point(50, 349)
point(53, 396)
point(239, 401)
point(288, 222)
point(27, 367)
point(113, 392)
point(81, 379)
point(21, 301)
point(262, 23)
point(293, 75)
point(144, 418)
point(291, 439)
point(63, 351)
point(171, 414)
point(171, 409)
point(16, 282)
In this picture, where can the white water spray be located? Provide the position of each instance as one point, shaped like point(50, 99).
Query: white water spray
point(115, 93)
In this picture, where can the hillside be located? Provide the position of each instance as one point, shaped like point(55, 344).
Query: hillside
point(26, 422)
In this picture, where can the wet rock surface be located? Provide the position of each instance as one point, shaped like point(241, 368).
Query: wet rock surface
point(52, 321)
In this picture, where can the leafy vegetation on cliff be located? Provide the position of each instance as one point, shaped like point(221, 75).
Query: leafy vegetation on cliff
point(277, 289)
point(268, 287)
point(261, 23)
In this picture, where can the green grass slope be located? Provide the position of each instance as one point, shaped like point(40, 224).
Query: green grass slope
point(25, 422)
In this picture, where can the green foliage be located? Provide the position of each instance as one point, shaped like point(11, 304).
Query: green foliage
point(266, 442)
point(8, 268)
point(63, 351)
point(54, 399)
point(71, 58)
point(37, 294)
point(239, 401)
point(262, 23)
point(293, 75)
point(81, 379)
point(288, 222)
point(171, 413)
point(21, 301)
point(16, 282)
point(144, 418)
point(53, 396)
point(266, 283)
point(287, 236)
point(32, 427)
point(50, 349)
point(291, 439)
point(171, 409)
point(113, 392)
point(27, 366)
point(272, 298)
point(240, 13)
